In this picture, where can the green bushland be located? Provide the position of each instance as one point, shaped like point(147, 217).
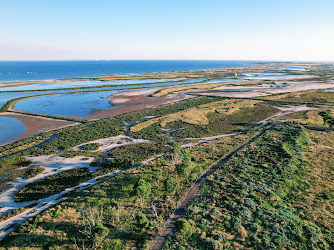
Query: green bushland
point(11, 168)
point(52, 184)
point(259, 199)
point(132, 205)
point(90, 131)
point(90, 146)
point(23, 144)
point(32, 171)
point(127, 156)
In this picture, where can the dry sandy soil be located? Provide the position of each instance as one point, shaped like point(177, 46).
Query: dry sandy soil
point(129, 101)
point(36, 124)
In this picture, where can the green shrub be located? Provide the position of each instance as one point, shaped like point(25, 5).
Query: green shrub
point(171, 185)
point(183, 227)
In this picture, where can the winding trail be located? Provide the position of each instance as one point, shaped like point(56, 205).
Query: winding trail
point(169, 226)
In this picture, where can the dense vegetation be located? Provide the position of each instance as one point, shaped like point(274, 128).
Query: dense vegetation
point(132, 205)
point(260, 199)
point(52, 184)
point(90, 146)
point(32, 171)
point(89, 132)
point(127, 156)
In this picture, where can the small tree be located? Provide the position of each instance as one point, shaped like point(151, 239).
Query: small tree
point(176, 147)
point(182, 170)
point(171, 185)
point(141, 220)
point(326, 116)
point(100, 232)
point(142, 189)
point(183, 227)
point(176, 156)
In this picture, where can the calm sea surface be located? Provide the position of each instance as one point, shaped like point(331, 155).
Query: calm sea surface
point(44, 70)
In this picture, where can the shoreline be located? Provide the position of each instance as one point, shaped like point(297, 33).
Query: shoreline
point(152, 75)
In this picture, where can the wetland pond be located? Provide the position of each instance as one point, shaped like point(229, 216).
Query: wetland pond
point(10, 128)
point(73, 105)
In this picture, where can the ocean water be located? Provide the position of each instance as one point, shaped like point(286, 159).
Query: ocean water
point(43, 70)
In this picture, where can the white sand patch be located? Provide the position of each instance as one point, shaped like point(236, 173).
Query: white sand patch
point(294, 108)
point(110, 143)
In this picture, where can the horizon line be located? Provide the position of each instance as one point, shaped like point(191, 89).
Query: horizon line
point(248, 60)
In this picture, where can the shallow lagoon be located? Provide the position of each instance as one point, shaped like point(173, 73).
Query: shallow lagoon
point(77, 105)
point(6, 96)
point(10, 128)
point(78, 84)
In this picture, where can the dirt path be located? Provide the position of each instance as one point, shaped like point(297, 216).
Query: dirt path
point(193, 191)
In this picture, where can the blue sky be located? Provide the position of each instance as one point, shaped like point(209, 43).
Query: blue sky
point(169, 29)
